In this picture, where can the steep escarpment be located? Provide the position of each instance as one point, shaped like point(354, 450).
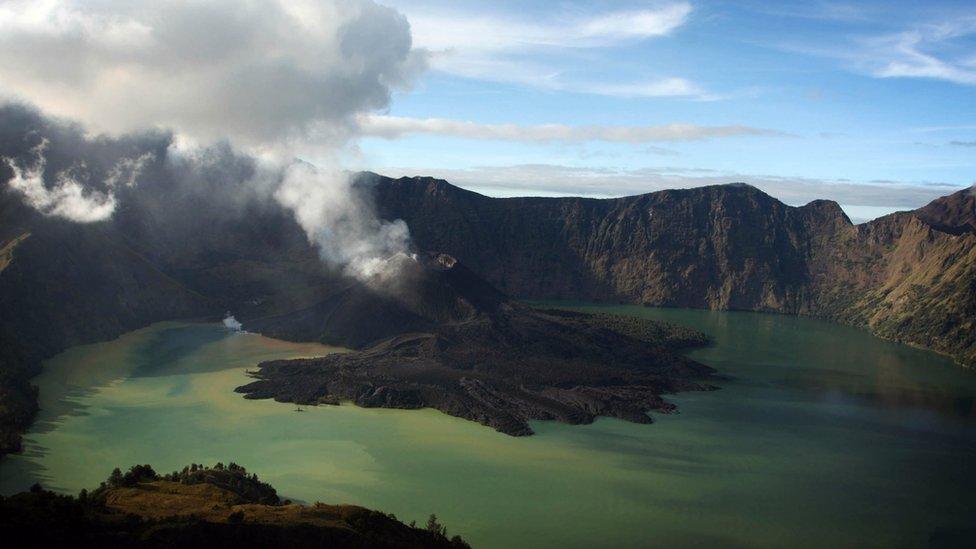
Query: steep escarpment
point(500, 363)
point(908, 276)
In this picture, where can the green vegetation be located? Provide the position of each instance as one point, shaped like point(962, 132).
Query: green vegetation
point(233, 478)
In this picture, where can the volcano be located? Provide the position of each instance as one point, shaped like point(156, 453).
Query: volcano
point(457, 344)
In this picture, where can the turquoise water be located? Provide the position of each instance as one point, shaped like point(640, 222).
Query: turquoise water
point(822, 435)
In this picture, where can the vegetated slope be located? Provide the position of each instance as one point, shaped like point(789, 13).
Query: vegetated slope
point(908, 276)
point(201, 506)
point(903, 279)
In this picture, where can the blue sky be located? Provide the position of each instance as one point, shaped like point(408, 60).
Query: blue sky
point(871, 104)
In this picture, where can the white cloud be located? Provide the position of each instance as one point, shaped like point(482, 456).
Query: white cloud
point(908, 55)
point(272, 76)
point(394, 127)
point(509, 49)
point(665, 87)
point(469, 33)
point(258, 72)
point(933, 51)
point(66, 197)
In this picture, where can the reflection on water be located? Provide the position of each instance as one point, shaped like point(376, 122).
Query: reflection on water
point(162, 353)
point(822, 435)
point(888, 392)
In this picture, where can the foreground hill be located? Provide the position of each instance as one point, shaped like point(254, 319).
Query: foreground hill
point(909, 276)
point(201, 507)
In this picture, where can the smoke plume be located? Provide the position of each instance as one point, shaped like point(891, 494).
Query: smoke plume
point(340, 222)
point(272, 79)
point(232, 323)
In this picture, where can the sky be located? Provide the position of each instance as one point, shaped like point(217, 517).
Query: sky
point(872, 104)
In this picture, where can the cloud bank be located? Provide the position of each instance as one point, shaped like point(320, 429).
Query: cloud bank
point(394, 127)
point(259, 73)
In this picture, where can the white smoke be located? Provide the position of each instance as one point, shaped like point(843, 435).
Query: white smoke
point(340, 222)
point(232, 323)
point(66, 197)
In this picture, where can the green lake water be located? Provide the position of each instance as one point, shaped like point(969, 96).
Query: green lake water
point(821, 436)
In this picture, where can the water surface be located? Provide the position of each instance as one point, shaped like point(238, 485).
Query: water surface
point(822, 436)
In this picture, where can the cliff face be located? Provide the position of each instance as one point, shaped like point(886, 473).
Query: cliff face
point(909, 276)
point(64, 284)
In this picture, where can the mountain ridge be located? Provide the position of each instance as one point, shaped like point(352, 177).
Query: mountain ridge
point(741, 250)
